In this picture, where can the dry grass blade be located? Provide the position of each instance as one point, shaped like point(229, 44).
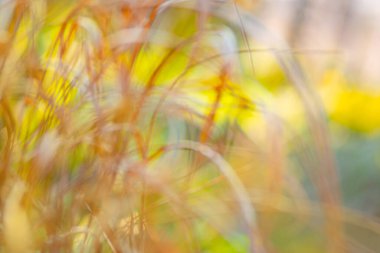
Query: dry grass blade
point(162, 126)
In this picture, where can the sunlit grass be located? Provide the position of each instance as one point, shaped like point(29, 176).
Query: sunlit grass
point(158, 126)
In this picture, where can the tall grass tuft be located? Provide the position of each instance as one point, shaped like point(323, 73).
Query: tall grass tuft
point(143, 126)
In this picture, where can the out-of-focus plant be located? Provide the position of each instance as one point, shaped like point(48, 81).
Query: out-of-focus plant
point(354, 106)
point(159, 126)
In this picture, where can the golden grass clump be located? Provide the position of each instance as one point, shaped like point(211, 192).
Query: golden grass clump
point(141, 126)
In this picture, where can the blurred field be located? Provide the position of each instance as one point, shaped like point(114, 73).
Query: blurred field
point(189, 126)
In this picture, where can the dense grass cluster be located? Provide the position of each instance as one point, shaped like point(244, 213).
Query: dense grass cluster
point(150, 126)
